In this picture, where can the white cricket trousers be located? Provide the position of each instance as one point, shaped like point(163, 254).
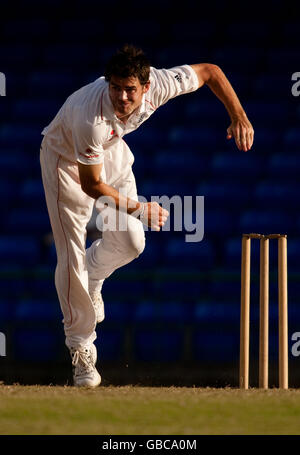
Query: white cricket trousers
point(70, 210)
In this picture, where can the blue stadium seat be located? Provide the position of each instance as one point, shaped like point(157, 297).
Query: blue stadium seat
point(294, 313)
point(140, 165)
point(265, 85)
point(150, 256)
point(154, 345)
point(48, 3)
point(292, 139)
point(294, 250)
point(186, 253)
point(117, 288)
point(248, 32)
point(166, 115)
point(266, 221)
point(21, 135)
point(14, 281)
point(28, 220)
point(266, 140)
point(85, 30)
point(245, 166)
point(38, 310)
point(36, 345)
point(266, 113)
point(147, 311)
point(42, 283)
point(32, 192)
point(26, 29)
point(110, 344)
point(210, 111)
point(149, 188)
point(239, 81)
point(17, 250)
point(163, 311)
point(5, 107)
point(211, 312)
point(289, 55)
point(10, 160)
point(189, 31)
point(237, 58)
point(175, 311)
point(271, 194)
point(284, 165)
point(51, 254)
point(7, 310)
point(194, 138)
point(179, 165)
point(220, 219)
point(180, 288)
point(38, 110)
point(119, 311)
point(175, 55)
point(223, 193)
point(227, 289)
point(147, 137)
point(290, 31)
point(216, 346)
point(59, 84)
point(18, 55)
point(9, 191)
point(67, 55)
point(145, 29)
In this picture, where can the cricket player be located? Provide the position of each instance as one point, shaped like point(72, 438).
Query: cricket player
point(84, 158)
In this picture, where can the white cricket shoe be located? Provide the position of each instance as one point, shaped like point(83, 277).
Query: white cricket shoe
point(98, 304)
point(84, 370)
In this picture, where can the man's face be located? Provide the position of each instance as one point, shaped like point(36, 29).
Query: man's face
point(126, 94)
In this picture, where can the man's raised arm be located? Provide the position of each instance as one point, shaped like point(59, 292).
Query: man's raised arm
point(240, 127)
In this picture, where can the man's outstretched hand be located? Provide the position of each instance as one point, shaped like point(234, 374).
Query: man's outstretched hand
point(242, 131)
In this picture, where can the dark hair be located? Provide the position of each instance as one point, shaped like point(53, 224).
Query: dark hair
point(128, 61)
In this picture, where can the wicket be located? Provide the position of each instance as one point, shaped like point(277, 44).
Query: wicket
point(264, 310)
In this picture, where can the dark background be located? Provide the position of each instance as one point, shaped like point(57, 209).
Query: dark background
point(172, 315)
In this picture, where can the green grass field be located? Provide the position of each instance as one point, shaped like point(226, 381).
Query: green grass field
point(53, 410)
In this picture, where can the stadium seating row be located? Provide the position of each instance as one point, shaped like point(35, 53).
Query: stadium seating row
point(148, 345)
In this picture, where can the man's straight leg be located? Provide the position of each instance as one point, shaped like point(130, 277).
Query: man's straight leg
point(69, 211)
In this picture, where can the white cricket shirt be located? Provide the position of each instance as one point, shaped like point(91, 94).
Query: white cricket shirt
point(87, 130)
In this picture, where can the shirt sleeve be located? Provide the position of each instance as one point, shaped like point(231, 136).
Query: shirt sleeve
point(169, 83)
point(87, 143)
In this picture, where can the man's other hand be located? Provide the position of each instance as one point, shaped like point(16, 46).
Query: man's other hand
point(242, 131)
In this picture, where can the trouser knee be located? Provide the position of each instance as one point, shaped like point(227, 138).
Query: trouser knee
point(136, 247)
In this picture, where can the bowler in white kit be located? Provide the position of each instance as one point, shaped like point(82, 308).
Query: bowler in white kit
point(84, 157)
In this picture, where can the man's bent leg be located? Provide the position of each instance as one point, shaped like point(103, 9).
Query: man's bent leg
point(118, 246)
